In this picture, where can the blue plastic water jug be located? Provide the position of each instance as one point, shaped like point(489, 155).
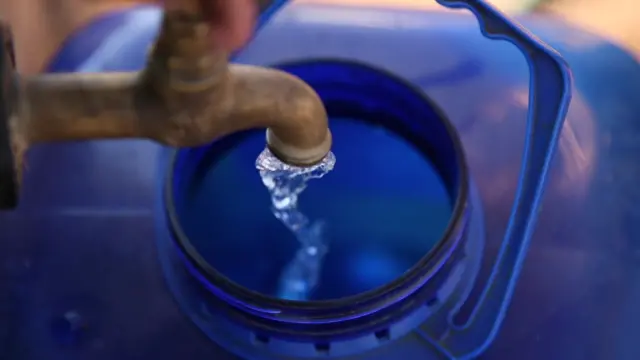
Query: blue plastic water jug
point(448, 140)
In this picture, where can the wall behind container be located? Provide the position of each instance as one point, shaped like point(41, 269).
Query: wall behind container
point(508, 6)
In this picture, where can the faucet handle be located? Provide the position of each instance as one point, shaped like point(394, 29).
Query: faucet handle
point(183, 57)
point(8, 94)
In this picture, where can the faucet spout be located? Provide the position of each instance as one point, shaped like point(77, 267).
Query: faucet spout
point(188, 95)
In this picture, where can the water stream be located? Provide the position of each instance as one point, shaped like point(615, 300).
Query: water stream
point(285, 184)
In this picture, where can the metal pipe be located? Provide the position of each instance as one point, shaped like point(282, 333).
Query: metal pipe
point(188, 95)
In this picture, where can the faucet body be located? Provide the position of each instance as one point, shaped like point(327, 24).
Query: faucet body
point(187, 95)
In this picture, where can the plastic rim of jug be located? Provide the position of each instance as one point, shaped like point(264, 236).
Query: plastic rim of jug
point(442, 278)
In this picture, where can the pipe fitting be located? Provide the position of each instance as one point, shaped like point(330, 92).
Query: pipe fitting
point(188, 95)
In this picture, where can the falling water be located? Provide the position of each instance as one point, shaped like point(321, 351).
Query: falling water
point(285, 184)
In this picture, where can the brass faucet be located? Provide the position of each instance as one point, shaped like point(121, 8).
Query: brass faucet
point(188, 95)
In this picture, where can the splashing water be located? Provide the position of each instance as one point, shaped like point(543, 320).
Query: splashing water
point(285, 184)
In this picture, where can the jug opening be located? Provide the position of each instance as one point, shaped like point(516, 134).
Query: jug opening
point(394, 206)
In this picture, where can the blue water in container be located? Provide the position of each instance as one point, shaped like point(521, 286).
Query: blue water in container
point(384, 207)
point(382, 215)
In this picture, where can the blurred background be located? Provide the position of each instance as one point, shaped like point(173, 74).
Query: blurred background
point(510, 6)
point(615, 20)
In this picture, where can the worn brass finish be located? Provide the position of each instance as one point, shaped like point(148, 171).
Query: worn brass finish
point(188, 95)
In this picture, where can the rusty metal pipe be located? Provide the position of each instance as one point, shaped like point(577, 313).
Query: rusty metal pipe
point(188, 95)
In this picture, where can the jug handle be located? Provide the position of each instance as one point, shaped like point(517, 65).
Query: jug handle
point(549, 97)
